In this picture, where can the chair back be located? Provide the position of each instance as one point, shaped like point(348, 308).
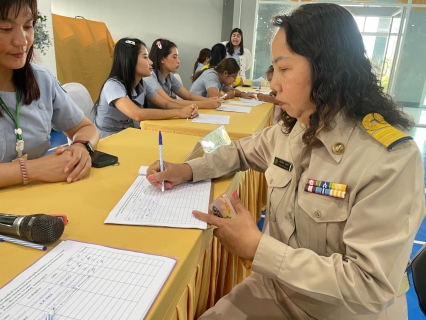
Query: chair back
point(417, 267)
point(177, 76)
point(81, 97)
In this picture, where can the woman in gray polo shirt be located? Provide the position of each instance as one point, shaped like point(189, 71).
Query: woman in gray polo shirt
point(123, 96)
point(165, 61)
point(32, 102)
point(210, 82)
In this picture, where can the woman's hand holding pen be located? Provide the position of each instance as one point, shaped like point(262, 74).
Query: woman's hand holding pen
point(217, 101)
point(240, 235)
point(190, 111)
point(173, 174)
point(230, 94)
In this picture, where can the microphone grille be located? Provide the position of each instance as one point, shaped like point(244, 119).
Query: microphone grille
point(42, 228)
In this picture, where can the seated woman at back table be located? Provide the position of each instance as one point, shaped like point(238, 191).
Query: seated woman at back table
point(218, 53)
point(210, 82)
point(271, 96)
point(121, 102)
point(165, 61)
point(32, 102)
point(202, 60)
point(345, 184)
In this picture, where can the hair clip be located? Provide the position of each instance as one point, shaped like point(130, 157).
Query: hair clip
point(130, 42)
point(159, 45)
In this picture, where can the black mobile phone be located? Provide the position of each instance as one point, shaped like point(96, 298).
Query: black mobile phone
point(101, 159)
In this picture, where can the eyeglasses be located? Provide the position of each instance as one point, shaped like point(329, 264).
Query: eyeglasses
point(233, 76)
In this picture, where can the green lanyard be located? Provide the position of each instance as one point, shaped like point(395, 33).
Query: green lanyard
point(16, 121)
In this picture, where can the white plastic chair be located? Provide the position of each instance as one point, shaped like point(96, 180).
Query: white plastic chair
point(81, 97)
point(177, 76)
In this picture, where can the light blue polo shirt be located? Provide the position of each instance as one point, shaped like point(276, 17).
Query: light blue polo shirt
point(208, 79)
point(109, 119)
point(54, 109)
point(170, 85)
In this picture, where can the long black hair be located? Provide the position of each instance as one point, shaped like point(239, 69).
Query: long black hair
point(230, 46)
point(342, 76)
point(229, 64)
point(24, 78)
point(124, 63)
point(202, 56)
point(160, 49)
point(218, 53)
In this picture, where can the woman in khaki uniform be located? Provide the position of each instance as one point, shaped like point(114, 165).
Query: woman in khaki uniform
point(346, 192)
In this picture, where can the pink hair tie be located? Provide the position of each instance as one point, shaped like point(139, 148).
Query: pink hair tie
point(159, 45)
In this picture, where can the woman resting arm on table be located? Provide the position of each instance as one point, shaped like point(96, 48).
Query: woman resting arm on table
point(122, 98)
point(345, 184)
point(210, 82)
point(165, 61)
point(32, 103)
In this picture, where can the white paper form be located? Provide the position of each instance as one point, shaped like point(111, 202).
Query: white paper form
point(143, 204)
point(249, 103)
point(231, 108)
point(86, 281)
point(208, 118)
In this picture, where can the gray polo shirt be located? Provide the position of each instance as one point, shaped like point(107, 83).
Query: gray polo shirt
point(170, 85)
point(208, 79)
point(54, 109)
point(109, 119)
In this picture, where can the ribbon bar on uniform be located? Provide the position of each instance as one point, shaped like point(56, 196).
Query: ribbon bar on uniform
point(326, 191)
point(327, 185)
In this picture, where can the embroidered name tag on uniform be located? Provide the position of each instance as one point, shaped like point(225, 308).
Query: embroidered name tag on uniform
point(331, 189)
point(283, 164)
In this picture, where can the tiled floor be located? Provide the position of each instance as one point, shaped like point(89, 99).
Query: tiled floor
point(419, 135)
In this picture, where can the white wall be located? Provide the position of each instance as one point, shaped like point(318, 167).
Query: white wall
point(191, 24)
point(48, 61)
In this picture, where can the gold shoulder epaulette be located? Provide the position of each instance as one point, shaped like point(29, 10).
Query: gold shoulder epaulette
point(382, 131)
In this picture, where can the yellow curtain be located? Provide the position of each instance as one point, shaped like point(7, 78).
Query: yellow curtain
point(84, 51)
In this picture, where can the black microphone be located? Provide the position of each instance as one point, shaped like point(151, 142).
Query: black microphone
point(39, 228)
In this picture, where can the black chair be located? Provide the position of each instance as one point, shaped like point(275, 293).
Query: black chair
point(417, 267)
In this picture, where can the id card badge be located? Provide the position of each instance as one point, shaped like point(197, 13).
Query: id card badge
point(25, 157)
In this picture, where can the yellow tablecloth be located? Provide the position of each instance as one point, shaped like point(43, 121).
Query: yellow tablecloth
point(227, 270)
point(240, 124)
point(189, 289)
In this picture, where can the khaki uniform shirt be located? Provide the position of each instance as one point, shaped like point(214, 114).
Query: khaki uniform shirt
point(332, 258)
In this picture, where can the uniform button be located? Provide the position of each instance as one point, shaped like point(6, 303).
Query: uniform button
point(338, 148)
point(290, 215)
point(41, 105)
point(271, 180)
point(318, 214)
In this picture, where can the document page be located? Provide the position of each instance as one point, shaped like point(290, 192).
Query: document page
point(225, 107)
point(143, 204)
point(86, 281)
point(212, 119)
